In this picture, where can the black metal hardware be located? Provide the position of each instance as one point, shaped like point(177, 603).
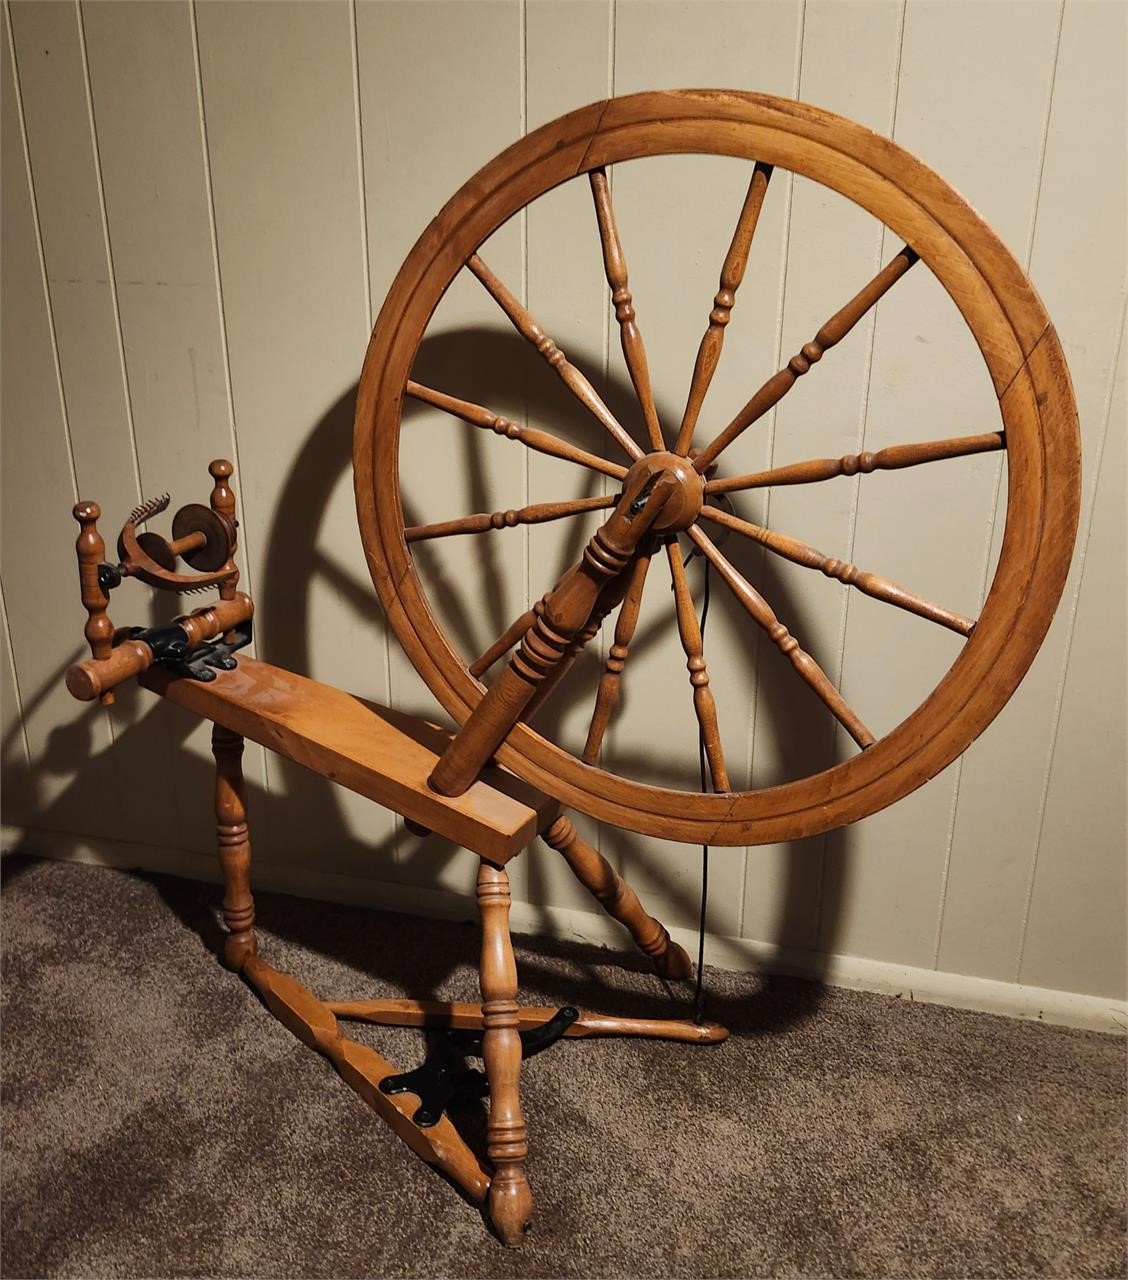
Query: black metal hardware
point(444, 1078)
point(170, 646)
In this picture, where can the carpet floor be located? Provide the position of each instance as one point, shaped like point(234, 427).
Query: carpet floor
point(157, 1121)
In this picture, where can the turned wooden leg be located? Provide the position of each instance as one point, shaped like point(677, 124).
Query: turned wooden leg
point(511, 1201)
point(618, 899)
point(234, 847)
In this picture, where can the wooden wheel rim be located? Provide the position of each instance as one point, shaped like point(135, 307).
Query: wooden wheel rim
point(1006, 317)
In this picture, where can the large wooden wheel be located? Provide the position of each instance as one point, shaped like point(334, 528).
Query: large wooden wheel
point(1038, 430)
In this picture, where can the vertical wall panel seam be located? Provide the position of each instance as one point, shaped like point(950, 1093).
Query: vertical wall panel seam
point(21, 726)
point(605, 340)
point(781, 305)
point(1059, 698)
point(245, 572)
point(856, 482)
point(996, 490)
point(130, 424)
point(39, 250)
point(523, 123)
point(61, 390)
point(366, 270)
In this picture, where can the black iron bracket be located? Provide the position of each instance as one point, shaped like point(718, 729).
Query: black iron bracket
point(170, 646)
point(444, 1078)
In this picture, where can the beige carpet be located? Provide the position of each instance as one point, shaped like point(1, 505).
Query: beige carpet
point(158, 1122)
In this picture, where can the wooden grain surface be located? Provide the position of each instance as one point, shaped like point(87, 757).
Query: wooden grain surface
point(372, 751)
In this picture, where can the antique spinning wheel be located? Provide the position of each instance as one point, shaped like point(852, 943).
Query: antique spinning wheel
point(666, 506)
point(1038, 431)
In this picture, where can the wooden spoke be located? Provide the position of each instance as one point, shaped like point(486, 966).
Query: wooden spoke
point(763, 614)
point(608, 693)
point(537, 513)
point(615, 265)
point(873, 585)
point(892, 458)
point(506, 640)
point(689, 628)
point(572, 378)
point(835, 329)
point(732, 273)
point(531, 437)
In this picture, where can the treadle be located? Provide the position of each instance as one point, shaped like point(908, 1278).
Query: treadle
point(363, 1069)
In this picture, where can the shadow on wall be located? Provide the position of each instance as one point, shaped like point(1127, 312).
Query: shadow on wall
point(95, 799)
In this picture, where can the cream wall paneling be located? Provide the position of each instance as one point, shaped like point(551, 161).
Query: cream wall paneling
point(203, 206)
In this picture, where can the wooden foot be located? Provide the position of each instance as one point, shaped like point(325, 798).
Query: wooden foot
point(511, 1200)
point(618, 899)
point(234, 847)
point(362, 1068)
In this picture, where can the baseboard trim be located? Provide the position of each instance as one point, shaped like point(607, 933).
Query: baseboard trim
point(928, 986)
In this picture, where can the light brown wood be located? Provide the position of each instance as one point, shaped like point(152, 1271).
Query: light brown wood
point(835, 329)
point(1023, 359)
point(889, 459)
point(91, 551)
point(535, 513)
point(437, 1014)
point(508, 638)
point(842, 570)
point(704, 705)
point(617, 898)
point(607, 695)
point(531, 437)
point(507, 1139)
point(784, 641)
point(732, 273)
point(567, 609)
point(222, 502)
point(368, 749)
point(234, 847)
point(572, 378)
point(89, 680)
point(615, 266)
point(362, 1068)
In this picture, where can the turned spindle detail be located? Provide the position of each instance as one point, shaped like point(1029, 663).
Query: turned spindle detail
point(892, 458)
point(615, 266)
point(91, 550)
point(759, 609)
point(835, 329)
point(871, 584)
point(704, 704)
point(507, 1145)
point(732, 273)
point(572, 378)
point(222, 500)
point(567, 609)
point(234, 847)
point(531, 437)
point(609, 683)
point(618, 899)
point(484, 522)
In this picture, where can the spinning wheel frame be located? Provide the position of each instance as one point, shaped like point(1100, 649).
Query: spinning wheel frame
point(1010, 326)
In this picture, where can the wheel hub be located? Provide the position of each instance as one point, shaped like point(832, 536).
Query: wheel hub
point(681, 509)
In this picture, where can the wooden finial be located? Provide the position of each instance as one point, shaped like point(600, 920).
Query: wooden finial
point(222, 501)
point(91, 550)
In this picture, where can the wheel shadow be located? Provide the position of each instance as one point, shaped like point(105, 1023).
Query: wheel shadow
point(469, 360)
